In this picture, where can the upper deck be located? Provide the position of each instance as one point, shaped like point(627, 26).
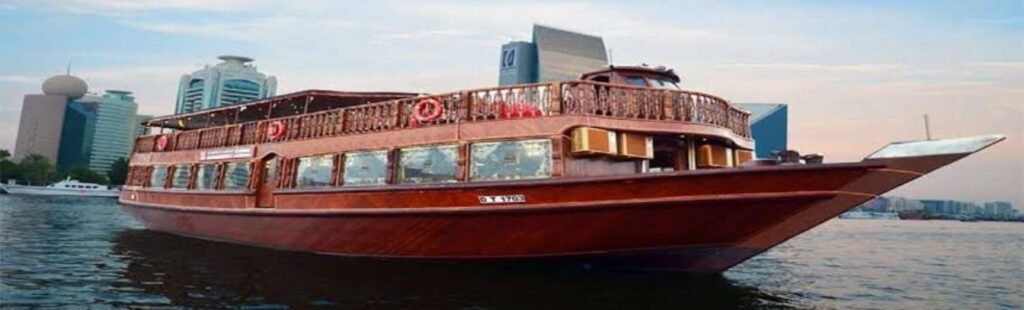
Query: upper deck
point(319, 114)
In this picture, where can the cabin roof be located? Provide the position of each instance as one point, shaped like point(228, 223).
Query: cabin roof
point(306, 101)
point(642, 70)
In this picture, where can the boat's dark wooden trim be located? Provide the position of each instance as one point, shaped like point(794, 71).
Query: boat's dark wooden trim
point(576, 180)
point(527, 208)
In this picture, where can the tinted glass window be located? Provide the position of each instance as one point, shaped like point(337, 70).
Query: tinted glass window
point(270, 172)
point(430, 164)
point(205, 176)
point(511, 160)
point(242, 84)
point(236, 176)
point(636, 81)
point(158, 177)
point(366, 168)
point(180, 176)
point(314, 171)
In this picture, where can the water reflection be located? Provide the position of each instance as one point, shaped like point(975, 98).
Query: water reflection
point(203, 274)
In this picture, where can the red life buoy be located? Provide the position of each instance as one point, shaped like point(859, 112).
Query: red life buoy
point(419, 109)
point(275, 130)
point(161, 143)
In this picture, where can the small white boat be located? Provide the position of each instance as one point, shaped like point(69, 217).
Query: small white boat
point(67, 187)
point(869, 215)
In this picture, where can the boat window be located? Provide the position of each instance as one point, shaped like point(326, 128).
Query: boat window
point(511, 160)
point(159, 176)
point(236, 176)
point(366, 168)
point(205, 176)
point(180, 179)
point(314, 171)
point(636, 81)
point(431, 164)
point(664, 84)
point(270, 171)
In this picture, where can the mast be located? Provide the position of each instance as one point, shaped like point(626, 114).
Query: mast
point(927, 128)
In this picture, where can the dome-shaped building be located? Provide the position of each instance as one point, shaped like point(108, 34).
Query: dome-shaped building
point(65, 85)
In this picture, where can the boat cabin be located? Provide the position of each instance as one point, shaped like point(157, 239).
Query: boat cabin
point(612, 122)
point(639, 76)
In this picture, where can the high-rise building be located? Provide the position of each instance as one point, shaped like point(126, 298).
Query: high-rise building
point(73, 129)
point(114, 132)
point(554, 55)
point(42, 117)
point(233, 81)
point(769, 126)
point(1000, 210)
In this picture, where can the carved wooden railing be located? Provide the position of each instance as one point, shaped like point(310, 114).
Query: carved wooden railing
point(519, 101)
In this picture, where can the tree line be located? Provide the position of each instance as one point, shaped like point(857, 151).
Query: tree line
point(38, 170)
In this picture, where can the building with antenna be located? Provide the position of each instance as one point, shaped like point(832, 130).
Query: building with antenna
point(233, 81)
point(73, 128)
point(554, 55)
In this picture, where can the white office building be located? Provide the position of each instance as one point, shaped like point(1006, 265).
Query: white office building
point(233, 81)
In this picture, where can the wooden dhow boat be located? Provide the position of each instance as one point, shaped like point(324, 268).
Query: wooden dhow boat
point(620, 168)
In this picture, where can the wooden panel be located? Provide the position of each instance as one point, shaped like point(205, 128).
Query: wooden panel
point(587, 140)
point(712, 156)
point(636, 145)
point(743, 156)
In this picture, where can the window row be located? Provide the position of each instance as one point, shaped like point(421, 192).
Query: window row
point(487, 161)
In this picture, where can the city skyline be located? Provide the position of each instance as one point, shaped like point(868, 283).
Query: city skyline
point(877, 81)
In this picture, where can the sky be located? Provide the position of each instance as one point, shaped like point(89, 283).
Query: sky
point(856, 74)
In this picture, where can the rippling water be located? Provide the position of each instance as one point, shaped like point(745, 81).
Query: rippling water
point(60, 252)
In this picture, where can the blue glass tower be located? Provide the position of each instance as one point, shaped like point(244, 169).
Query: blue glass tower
point(769, 126)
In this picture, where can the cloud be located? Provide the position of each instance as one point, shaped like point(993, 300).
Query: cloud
point(428, 34)
point(872, 68)
point(19, 79)
point(119, 7)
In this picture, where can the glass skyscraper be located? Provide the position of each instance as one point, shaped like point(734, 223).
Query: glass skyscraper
point(233, 81)
point(554, 55)
point(769, 126)
point(97, 130)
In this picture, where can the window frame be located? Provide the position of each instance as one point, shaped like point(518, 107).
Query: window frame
point(389, 168)
point(248, 179)
point(471, 174)
point(332, 169)
point(188, 176)
point(216, 174)
point(399, 169)
point(153, 172)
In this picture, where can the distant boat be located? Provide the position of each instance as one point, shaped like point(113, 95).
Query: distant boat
point(67, 187)
point(869, 215)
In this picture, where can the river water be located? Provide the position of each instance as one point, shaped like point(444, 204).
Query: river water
point(82, 252)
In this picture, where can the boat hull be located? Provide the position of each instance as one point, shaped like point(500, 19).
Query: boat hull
point(703, 221)
point(698, 222)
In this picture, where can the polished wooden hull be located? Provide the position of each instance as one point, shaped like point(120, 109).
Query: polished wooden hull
point(702, 221)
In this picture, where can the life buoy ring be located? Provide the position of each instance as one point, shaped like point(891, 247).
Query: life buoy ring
point(161, 142)
point(275, 130)
point(435, 110)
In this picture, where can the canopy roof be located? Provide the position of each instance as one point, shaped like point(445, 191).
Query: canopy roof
point(301, 102)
